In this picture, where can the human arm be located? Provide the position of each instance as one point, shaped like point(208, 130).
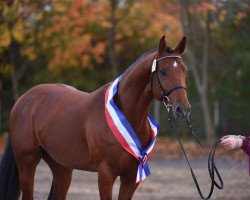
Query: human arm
point(237, 142)
point(246, 145)
point(231, 142)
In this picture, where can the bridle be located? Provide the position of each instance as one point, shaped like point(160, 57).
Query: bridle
point(212, 169)
point(164, 94)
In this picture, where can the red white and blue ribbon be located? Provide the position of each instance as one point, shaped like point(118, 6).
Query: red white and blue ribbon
point(125, 133)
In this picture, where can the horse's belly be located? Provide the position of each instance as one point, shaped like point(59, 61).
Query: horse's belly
point(67, 147)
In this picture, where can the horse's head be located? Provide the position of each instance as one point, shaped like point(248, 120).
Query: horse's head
point(168, 78)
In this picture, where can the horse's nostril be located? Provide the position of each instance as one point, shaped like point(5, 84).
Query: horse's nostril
point(182, 113)
point(178, 109)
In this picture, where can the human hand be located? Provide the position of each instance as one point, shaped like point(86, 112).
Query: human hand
point(231, 142)
point(227, 136)
point(236, 136)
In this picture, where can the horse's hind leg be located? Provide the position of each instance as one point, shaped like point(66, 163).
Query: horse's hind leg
point(61, 179)
point(26, 164)
point(27, 155)
point(60, 183)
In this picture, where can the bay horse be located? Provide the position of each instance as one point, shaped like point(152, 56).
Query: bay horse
point(68, 128)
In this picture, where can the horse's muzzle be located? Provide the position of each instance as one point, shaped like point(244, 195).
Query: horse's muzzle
point(180, 112)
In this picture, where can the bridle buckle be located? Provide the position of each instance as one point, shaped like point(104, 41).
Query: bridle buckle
point(167, 104)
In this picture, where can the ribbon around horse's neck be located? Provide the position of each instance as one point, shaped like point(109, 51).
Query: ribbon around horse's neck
point(125, 134)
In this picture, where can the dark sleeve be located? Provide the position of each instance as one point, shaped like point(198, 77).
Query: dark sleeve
point(247, 138)
point(246, 146)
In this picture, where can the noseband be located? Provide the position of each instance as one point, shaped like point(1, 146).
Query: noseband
point(164, 94)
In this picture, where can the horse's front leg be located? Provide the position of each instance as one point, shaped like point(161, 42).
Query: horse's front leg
point(106, 179)
point(128, 186)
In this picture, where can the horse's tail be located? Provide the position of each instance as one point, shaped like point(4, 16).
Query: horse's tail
point(9, 179)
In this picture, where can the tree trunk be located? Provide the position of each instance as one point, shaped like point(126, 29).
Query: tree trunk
point(111, 39)
point(189, 22)
point(210, 131)
point(202, 92)
point(0, 116)
point(15, 61)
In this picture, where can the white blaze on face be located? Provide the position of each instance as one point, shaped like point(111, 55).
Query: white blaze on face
point(175, 64)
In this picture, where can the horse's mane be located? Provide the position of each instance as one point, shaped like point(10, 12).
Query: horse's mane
point(137, 60)
point(168, 50)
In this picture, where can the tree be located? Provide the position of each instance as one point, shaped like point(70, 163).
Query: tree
point(14, 34)
point(231, 60)
point(11, 23)
point(111, 38)
point(196, 22)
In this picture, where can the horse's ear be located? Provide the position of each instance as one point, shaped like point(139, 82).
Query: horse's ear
point(162, 45)
point(181, 46)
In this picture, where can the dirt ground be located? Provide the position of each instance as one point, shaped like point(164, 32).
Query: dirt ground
point(170, 177)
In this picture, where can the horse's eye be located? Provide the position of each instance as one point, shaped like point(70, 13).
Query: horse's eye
point(163, 72)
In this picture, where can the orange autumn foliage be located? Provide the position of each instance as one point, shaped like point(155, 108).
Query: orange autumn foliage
point(73, 42)
point(78, 29)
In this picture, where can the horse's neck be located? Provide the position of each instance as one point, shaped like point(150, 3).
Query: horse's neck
point(134, 97)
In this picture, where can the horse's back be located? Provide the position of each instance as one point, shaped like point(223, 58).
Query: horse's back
point(44, 99)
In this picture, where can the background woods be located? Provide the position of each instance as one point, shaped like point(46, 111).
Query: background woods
point(85, 43)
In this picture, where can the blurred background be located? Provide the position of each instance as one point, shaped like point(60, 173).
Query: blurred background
point(86, 43)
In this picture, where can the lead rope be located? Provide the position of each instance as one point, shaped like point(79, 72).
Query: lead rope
point(211, 165)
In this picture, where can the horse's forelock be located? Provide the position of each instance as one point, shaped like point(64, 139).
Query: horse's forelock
point(169, 50)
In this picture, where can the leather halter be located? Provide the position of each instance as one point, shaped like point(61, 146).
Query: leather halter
point(163, 93)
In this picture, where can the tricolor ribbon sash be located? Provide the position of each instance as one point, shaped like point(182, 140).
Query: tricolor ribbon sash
point(125, 133)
